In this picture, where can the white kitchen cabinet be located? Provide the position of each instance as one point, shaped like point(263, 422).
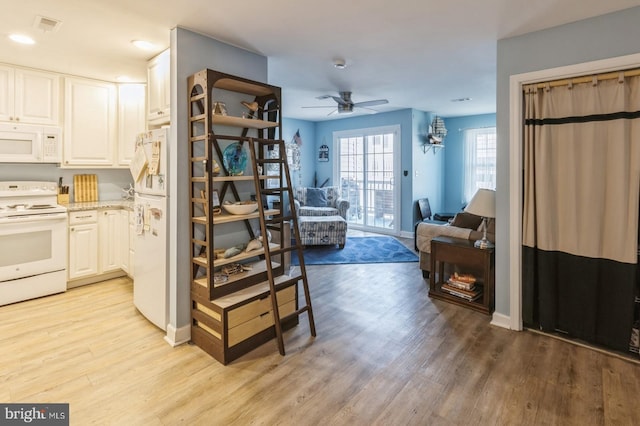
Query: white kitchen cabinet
point(131, 119)
point(109, 240)
point(159, 88)
point(99, 245)
point(90, 123)
point(29, 96)
point(83, 244)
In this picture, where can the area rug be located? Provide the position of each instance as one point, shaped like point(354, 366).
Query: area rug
point(358, 250)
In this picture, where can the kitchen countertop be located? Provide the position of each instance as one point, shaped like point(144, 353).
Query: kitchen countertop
point(96, 205)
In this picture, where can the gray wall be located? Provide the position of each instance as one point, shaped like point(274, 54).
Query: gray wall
point(190, 53)
point(602, 37)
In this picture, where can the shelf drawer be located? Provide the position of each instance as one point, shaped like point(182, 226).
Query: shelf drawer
point(258, 307)
point(254, 326)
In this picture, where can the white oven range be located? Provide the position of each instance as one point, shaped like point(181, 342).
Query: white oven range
point(33, 241)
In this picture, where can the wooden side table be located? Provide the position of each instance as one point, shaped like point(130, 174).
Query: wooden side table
point(466, 259)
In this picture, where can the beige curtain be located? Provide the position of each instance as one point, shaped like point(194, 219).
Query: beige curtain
point(580, 212)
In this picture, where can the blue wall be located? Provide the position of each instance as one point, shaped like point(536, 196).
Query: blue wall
point(308, 149)
point(404, 118)
point(434, 174)
point(454, 156)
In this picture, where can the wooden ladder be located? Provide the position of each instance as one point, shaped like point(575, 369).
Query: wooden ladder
point(286, 217)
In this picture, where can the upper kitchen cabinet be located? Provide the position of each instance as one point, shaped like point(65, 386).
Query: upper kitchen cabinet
point(131, 120)
point(159, 89)
point(90, 123)
point(29, 96)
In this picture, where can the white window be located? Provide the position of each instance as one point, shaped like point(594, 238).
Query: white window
point(479, 160)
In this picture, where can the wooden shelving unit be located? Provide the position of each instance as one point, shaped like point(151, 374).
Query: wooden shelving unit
point(235, 314)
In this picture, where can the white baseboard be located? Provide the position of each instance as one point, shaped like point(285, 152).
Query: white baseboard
point(178, 336)
point(501, 320)
point(405, 234)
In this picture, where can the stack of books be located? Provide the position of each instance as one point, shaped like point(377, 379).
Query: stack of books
point(463, 286)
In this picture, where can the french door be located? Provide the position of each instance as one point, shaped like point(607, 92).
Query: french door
point(367, 167)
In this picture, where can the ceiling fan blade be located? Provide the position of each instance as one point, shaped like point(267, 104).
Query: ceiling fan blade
point(335, 111)
point(371, 103)
point(369, 110)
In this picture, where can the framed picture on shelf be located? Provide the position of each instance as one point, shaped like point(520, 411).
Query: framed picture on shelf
point(215, 202)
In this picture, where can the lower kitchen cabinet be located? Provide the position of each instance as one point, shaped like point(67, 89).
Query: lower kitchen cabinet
point(98, 243)
point(83, 244)
point(109, 237)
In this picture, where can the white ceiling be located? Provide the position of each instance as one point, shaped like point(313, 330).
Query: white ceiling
point(415, 53)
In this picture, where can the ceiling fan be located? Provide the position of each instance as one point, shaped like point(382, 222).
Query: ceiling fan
point(346, 105)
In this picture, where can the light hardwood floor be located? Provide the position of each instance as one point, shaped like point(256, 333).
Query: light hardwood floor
point(384, 354)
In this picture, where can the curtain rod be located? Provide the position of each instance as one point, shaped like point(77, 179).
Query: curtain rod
point(587, 78)
point(473, 128)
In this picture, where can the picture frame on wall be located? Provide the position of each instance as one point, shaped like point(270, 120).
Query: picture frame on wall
point(323, 153)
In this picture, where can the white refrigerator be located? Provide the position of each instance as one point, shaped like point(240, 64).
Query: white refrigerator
point(150, 279)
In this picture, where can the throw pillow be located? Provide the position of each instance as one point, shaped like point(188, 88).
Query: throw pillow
point(466, 220)
point(316, 197)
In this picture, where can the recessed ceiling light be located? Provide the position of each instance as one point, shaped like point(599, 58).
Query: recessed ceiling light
point(143, 44)
point(20, 38)
point(461, 100)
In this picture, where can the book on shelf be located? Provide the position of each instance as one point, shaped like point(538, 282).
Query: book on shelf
point(469, 295)
point(461, 285)
point(464, 281)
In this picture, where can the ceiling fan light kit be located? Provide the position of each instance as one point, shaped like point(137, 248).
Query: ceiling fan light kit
point(346, 106)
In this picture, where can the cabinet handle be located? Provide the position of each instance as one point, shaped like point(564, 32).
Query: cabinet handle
point(17, 118)
point(72, 229)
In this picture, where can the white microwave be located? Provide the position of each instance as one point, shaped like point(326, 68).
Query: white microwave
point(25, 143)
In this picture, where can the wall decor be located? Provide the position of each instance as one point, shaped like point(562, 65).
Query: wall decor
point(323, 153)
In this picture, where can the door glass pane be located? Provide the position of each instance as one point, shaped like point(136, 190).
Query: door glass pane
point(367, 178)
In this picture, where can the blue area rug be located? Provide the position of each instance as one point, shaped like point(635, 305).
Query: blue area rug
point(358, 250)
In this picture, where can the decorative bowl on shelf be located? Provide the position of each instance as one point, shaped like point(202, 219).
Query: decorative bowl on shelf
point(240, 207)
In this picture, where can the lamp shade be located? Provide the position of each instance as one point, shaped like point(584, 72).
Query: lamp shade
point(483, 203)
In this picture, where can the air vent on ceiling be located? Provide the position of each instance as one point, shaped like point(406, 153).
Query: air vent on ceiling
point(46, 24)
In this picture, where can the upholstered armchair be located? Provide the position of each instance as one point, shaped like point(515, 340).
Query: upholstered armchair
point(322, 216)
point(320, 202)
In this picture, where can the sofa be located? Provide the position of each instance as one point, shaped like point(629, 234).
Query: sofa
point(322, 215)
point(464, 225)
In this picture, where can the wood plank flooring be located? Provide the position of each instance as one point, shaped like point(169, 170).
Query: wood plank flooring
point(385, 354)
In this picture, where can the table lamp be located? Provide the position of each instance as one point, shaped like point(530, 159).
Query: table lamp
point(483, 204)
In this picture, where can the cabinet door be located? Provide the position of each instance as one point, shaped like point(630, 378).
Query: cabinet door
point(109, 237)
point(89, 122)
point(37, 97)
point(131, 119)
point(159, 88)
point(7, 92)
point(83, 250)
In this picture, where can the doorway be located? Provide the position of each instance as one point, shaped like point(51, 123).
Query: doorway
point(367, 167)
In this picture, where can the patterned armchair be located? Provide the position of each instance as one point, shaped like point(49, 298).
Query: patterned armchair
point(320, 202)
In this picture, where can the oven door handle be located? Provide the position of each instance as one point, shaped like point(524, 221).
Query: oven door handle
point(34, 218)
